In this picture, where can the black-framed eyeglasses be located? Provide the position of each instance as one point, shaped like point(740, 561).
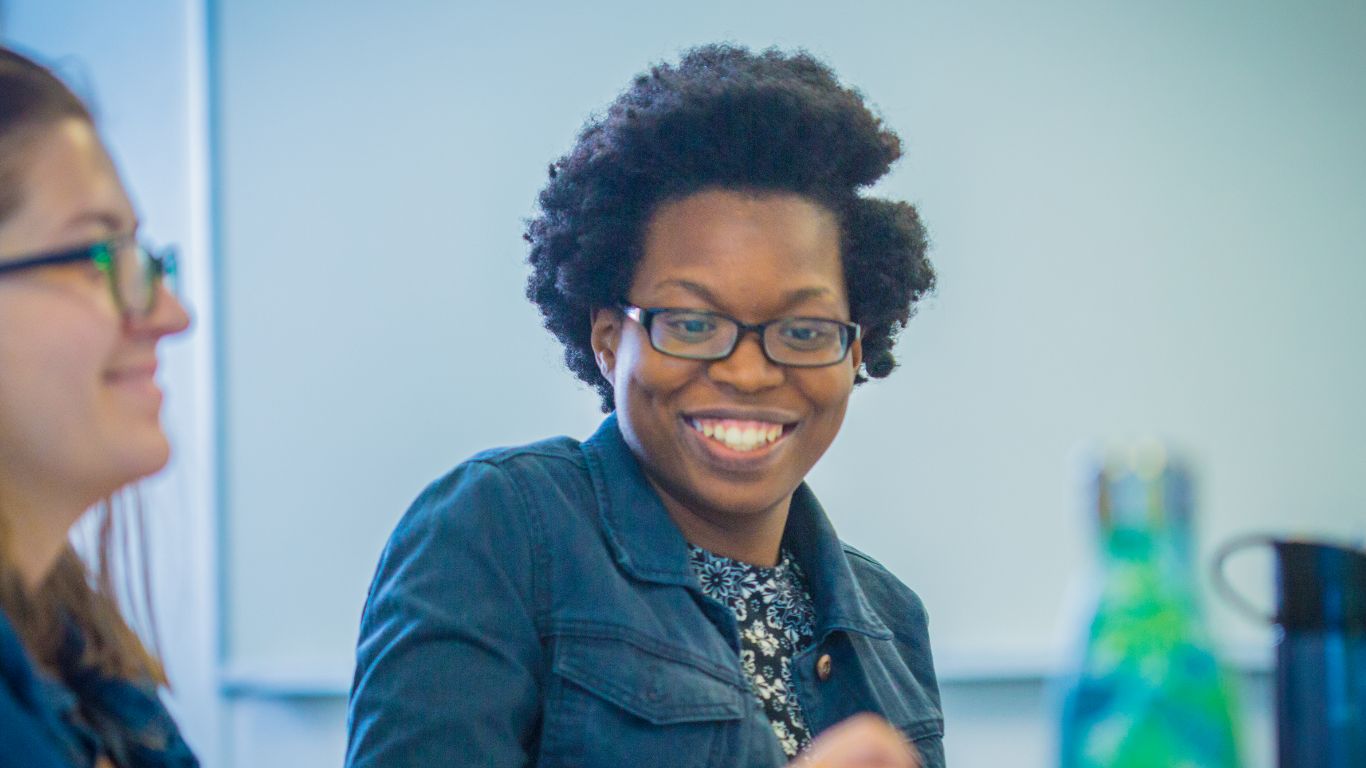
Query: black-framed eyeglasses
point(134, 271)
point(800, 342)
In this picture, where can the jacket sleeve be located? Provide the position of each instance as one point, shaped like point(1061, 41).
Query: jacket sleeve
point(448, 662)
point(23, 736)
point(26, 727)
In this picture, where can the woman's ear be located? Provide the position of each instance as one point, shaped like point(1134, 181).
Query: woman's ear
point(856, 353)
point(605, 336)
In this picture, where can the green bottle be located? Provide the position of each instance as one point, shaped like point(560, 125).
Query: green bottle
point(1150, 692)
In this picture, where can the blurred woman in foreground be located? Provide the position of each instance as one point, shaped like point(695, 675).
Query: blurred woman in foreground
point(82, 307)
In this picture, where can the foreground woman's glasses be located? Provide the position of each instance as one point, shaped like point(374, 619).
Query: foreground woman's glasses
point(135, 271)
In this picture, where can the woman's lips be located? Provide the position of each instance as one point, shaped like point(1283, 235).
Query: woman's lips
point(140, 380)
point(738, 442)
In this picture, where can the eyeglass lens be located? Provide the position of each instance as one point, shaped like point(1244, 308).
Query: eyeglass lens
point(137, 273)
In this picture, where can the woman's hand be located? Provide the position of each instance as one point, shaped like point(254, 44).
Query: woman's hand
point(862, 741)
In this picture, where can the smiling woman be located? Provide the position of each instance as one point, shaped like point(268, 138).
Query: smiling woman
point(669, 592)
point(82, 308)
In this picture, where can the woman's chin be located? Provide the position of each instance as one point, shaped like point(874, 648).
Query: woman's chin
point(142, 455)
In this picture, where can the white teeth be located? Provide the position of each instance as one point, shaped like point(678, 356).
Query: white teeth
point(736, 437)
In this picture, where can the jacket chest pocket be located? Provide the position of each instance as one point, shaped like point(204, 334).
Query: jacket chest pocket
point(613, 703)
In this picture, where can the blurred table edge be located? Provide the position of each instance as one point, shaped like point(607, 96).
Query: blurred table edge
point(318, 680)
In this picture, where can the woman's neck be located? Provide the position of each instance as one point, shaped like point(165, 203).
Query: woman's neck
point(36, 525)
point(754, 538)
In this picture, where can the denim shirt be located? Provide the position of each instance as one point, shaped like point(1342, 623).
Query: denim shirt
point(40, 726)
point(536, 606)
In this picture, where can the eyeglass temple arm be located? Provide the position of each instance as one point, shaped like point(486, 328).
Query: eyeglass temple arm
point(47, 259)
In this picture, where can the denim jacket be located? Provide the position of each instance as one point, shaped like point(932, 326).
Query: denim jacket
point(536, 606)
point(46, 723)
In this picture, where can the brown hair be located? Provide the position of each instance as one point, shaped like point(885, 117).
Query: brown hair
point(31, 99)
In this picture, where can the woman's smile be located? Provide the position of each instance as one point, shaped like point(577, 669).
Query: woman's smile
point(738, 442)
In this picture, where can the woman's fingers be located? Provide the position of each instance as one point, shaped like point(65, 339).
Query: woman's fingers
point(862, 741)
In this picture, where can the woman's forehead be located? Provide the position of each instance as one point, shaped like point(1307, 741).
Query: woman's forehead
point(724, 246)
point(70, 190)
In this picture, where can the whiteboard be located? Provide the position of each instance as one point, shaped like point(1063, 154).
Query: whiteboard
point(1146, 220)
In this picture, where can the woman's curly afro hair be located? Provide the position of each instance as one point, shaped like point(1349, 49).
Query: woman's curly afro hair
point(726, 118)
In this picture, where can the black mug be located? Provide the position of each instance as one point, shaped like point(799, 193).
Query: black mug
point(1320, 649)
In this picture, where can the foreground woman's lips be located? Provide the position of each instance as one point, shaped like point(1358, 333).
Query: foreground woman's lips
point(138, 380)
point(743, 435)
point(133, 373)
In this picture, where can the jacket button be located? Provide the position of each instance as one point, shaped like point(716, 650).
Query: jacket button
point(823, 665)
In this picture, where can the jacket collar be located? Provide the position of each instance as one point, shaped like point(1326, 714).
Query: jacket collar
point(839, 600)
point(640, 533)
point(648, 546)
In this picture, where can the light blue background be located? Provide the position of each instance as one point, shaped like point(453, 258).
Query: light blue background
point(1146, 219)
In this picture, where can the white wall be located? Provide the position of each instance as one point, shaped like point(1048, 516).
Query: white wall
point(1145, 220)
point(142, 67)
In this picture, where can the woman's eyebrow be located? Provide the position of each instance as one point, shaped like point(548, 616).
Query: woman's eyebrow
point(691, 287)
point(800, 295)
point(106, 219)
point(791, 298)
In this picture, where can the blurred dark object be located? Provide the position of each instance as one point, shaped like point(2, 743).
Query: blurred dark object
point(1320, 651)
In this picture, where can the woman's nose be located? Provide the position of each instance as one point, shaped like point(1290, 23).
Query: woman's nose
point(167, 318)
point(747, 368)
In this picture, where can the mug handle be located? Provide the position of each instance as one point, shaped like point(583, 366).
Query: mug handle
point(1226, 590)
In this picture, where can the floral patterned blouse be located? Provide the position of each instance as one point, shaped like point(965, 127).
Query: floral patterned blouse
point(773, 609)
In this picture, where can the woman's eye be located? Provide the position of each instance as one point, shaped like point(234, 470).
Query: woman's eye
point(694, 326)
point(92, 271)
point(687, 327)
point(806, 334)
